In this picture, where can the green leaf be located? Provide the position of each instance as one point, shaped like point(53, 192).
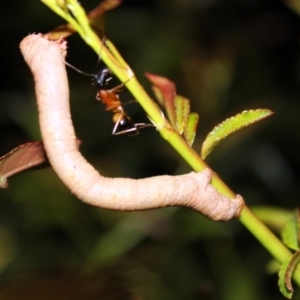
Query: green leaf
point(281, 281)
point(231, 125)
point(285, 275)
point(290, 232)
point(274, 217)
point(182, 112)
point(190, 128)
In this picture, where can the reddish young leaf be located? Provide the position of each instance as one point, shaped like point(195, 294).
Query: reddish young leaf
point(21, 158)
point(177, 107)
point(102, 7)
point(96, 16)
point(167, 91)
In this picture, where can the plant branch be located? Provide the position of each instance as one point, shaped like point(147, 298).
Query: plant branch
point(124, 73)
point(46, 61)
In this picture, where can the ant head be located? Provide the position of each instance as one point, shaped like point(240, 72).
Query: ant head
point(102, 78)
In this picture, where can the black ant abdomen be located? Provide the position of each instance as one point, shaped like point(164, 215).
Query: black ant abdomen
point(125, 125)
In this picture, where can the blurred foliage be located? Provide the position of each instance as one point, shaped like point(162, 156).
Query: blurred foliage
point(226, 57)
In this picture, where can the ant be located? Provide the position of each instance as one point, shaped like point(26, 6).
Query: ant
point(110, 98)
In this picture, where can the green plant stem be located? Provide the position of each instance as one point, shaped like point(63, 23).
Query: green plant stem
point(268, 239)
point(118, 66)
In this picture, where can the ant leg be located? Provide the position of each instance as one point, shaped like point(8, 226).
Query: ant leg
point(117, 89)
point(142, 125)
point(129, 102)
point(103, 44)
point(131, 131)
point(134, 130)
point(116, 125)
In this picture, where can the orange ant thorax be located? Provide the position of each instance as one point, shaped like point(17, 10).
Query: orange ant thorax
point(110, 99)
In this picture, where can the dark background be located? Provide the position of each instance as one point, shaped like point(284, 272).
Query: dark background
point(226, 57)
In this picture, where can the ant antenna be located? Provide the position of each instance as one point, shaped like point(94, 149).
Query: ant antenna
point(79, 71)
point(102, 45)
point(99, 60)
point(101, 78)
